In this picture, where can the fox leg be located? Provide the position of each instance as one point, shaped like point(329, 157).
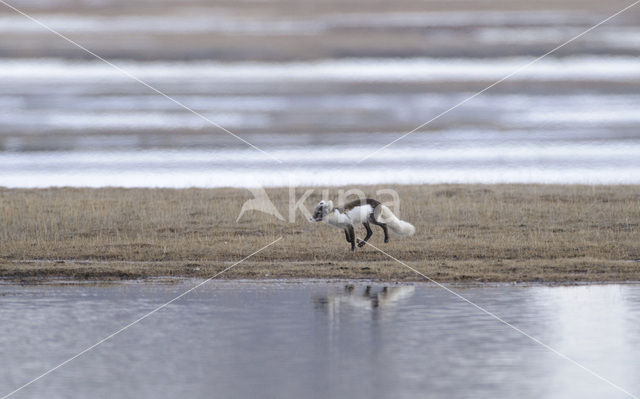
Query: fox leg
point(369, 233)
point(346, 234)
point(383, 226)
point(352, 237)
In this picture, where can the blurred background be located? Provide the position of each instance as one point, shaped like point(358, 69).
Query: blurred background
point(318, 85)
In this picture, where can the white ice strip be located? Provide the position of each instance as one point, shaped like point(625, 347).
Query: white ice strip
point(616, 37)
point(127, 120)
point(247, 158)
point(534, 113)
point(136, 103)
point(322, 176)
point(129, 103)
point(618, 115)
point(576, 68)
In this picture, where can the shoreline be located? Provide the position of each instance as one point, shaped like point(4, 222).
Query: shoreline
point(167, 280)
point(41, 271)
point(541, 234)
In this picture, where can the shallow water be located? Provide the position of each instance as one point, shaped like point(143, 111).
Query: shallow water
point(316, 339)
point(598, 162)
point(318, 88)
point(80, 123)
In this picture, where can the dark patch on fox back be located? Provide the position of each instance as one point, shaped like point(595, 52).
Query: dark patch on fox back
point(361, 202)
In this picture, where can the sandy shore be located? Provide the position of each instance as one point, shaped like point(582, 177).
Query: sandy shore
point(497, 233)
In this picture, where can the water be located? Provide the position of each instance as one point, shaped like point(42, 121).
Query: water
point(319, 88)
point(316, 339)
point(417, 160)
point(95, 128)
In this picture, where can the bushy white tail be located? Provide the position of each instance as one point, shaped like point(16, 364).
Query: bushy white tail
point(397, 226)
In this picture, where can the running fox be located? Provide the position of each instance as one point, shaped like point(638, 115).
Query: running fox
point(362, 211)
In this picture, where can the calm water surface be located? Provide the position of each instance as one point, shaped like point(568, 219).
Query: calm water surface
point(316, 339)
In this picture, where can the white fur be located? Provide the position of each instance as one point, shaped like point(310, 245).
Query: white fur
point(360, 214)
point(397, 226)
point(337, 219)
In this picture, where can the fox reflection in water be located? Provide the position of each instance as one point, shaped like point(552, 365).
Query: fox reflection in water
point(364, 297)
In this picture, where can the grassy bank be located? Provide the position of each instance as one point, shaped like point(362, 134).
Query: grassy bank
point(464, 233)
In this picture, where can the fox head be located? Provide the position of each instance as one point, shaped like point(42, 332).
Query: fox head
point(322, 210)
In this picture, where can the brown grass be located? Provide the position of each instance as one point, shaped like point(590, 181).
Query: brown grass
point(464, 233)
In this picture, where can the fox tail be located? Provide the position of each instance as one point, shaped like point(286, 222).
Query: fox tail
point(397, 226)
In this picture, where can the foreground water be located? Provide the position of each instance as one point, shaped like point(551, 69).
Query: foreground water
point(316, 339)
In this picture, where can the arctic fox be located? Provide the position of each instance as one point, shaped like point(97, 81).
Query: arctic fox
point(362, 211)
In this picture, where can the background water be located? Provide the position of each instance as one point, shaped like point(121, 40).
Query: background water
point(313, 339)
point(319, 87)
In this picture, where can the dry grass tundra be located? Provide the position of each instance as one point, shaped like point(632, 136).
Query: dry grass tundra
point(524, 233)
